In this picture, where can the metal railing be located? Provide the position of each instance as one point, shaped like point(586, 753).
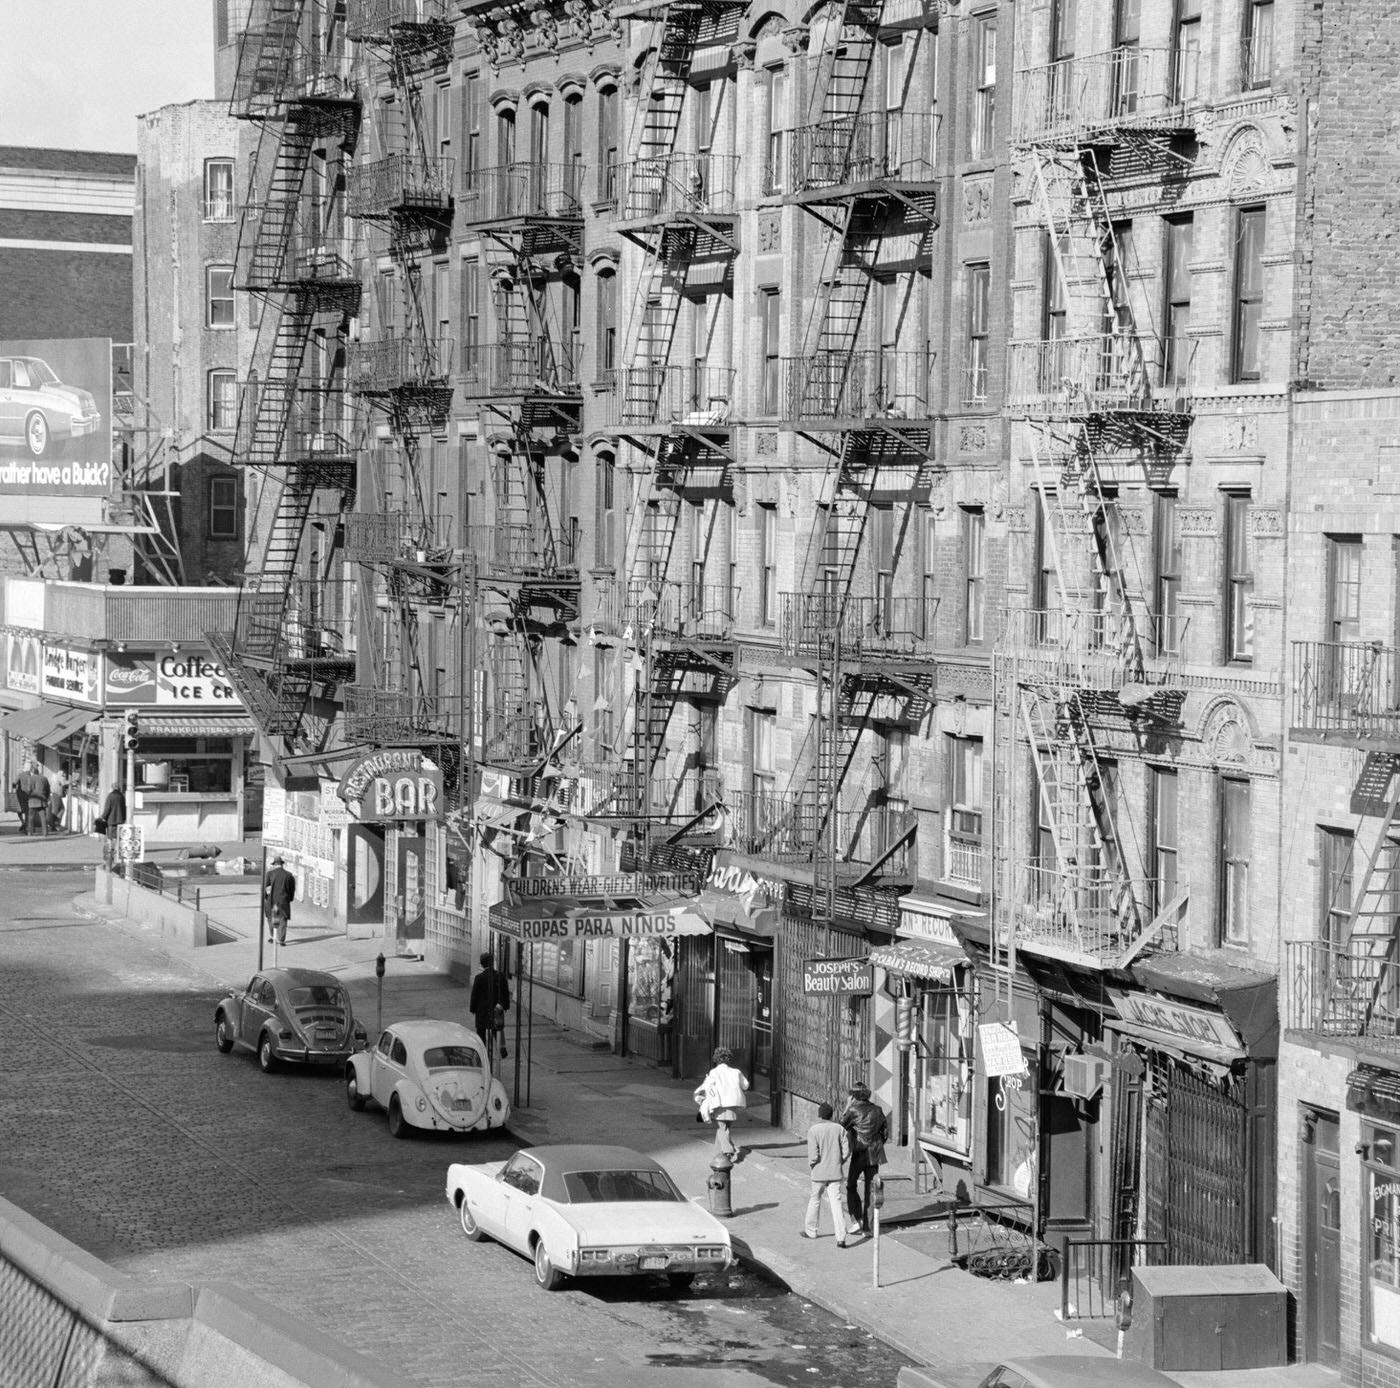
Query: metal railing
point(1345, 990)
point(522, 551)
point(674, 185)
point(305, 251)
point(868, 627)
point(681, 611)
point(516, 732)
point(308, 621)
point(321, 425)
point(964, 860)
point(1083, 911)
point(400, 364)
point(387, 537)
point(794, 828)
point(1125, 88)
point(401, 182)
point(880, 384)
point(551, 192)
point(369, 20)
point(1095, 1272)
point(388, 716)
point(874, 147)
point(542, 366)
point(92, 612)
point(698, 397)
point(1096, 373)
point(1346, 689)
point(276, 65)
point(1098, 650)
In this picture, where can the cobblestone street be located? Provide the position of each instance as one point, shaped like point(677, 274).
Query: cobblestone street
point(130, 1134)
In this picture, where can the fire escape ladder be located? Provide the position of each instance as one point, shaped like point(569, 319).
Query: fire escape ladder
point(843, 70)
point(661, 118)
point(265, 54)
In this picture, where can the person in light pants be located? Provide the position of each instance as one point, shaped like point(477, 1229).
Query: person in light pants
point(828, 1152)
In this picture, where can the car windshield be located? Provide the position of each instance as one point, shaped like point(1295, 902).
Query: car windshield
point(317, 995)
point(606, 1187)
point(41, 373)
point(451, 1058)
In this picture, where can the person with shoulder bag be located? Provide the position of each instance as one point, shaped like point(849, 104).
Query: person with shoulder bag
point(721, 1096)
point(490, 996)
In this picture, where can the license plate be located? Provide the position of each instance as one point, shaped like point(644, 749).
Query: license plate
point(654, 1263)
point(326, 1035)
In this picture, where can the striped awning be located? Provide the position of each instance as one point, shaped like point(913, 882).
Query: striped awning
point(194, 725)
point(930, 959)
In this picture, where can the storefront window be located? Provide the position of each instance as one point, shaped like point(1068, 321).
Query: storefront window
point(649, 978)
point(558, 966)
point(1011, 1133)
point(185, 775)
point(1382, 1148)
point(947, 1091)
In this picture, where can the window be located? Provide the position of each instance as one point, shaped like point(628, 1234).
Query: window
point(607, 510)
point(1060, 97)
point(974, 525)
point(984, 108)
point(1054, 313)
point(1176, 318)
point(442, 119)
point(775, 119)
point(979, 305)
point(221, 406)
point(769, 326)
point(224, 32)
point(928, 615)
point(1045, 581)
point(888, 802)
point(768, 563)
point(573, 146)
point(602, 703)
point(471, 314)
point(218, 190)
point(1062, 30)
point(1249, 294)
point(218, 296)
point(1165, 843)
point(1168, 530)
point(1186, 77)
point(1127, 35)
point(473, 100)
point(1234, 861)
point(763, 778)
point(607, 321)
point(505, 136)
point(962, 819)
point(1335, 882)
point(1257, 53)
point(539, 134)
point(880, 528)
point(1104, 852)
point(222, 510)
point(1344, 588)
point(1239, 581)
point(607, 143)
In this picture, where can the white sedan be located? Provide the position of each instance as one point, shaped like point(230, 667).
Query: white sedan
point(427, 1074)
point(589, 1211)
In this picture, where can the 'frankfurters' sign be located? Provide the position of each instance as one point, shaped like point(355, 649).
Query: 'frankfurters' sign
point(394, 783)
point(838, 976)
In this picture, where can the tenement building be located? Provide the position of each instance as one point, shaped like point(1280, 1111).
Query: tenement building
point(774, 525)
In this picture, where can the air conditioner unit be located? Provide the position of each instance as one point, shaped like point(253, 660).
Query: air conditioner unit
point(1083, 1075)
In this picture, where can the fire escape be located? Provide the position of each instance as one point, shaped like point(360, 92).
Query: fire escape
point(402, 370)
point(1102, 400)
point(679, 208)
point(288, 653)
point(865, 177)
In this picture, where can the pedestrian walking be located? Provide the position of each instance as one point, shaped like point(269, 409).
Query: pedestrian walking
point(58, 794)
point(20, 792)
point(488, 1002)
point(110, 821)
point(34, 786)
point(721, 1096)
point(866, 1127)
point(828, 1152)
point(280, 889)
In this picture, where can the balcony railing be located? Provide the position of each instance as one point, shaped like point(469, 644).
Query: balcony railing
point(675, 186)
point(397, 364)
point(304, 251)
point(516, 732)
point(96, 612)
point(399, 183)
point(1346, 690)
point(544, 366)
point(321, 426)
point(276, 66)
point(309, 621)
point(1098, 650)
point(887, 385)
point(522, 551)
point(1124, 89)
point(795, 828)
point(1098, 373)
point(875, 147)
point(899, 628)
point(375, 20)
point(520, 191)
point(964, 861)
point(665, 397)
point(1082, 914)
point(681, 611)
point(390, 537)
point(1344, 990)
point(394, 716)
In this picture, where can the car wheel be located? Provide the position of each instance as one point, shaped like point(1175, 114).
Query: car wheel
point(353, 1097)
point(681, 1281)
point(470, 1227)
point(223, 1034)
point(398, 1124)
point(266, 1059)
point(547, 1275)
point(36, 434)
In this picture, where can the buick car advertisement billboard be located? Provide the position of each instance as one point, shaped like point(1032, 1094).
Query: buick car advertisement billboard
point(56, 417)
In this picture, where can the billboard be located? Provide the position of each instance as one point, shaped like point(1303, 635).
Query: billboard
point(177, 680)
point(72, 675)
point(56, 417)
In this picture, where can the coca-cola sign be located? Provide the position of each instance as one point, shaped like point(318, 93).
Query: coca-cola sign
point(177, 679)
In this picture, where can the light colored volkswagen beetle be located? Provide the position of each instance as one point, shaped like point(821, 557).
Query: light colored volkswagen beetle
point(428, 1074)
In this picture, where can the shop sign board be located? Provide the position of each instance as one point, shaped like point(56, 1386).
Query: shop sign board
point(393, 783)
point(924, 925)
point(72, 675)
point(335, 814)
point(604, 887)
point(841, 977)
point(1177, 1019)
point(599, 925)
point(174, 680)
point(22, 663)
point(754, 891)
point(1000, 1045)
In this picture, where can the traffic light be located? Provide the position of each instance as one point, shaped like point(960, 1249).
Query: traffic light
point(133, 730)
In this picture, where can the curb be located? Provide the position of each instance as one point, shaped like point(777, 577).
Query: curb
point(51, 867)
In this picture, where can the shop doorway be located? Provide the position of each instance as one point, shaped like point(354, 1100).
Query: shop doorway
point(744, 1016)
point(1322, 1238)
point(364, 888)
point(409, 902)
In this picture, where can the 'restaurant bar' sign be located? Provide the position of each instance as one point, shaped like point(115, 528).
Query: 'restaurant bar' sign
point(838, 976)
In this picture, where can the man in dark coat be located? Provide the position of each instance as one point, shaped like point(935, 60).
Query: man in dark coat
point(867, 1127)
point(489, 1000)
point(114, 816)
point(280, 890)
point(33, 790)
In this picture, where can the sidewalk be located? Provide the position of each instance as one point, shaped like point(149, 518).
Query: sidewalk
point(924, 1306)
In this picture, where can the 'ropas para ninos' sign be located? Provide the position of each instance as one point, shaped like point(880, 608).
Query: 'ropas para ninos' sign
point(395, 783)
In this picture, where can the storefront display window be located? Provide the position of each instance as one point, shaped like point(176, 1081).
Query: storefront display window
point(171, 767)
point(1011, 1133)
point(947, 1090)
point(1382, 1272)
point(649, 978)
point(558, 966)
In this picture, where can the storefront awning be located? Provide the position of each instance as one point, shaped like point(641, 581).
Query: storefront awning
point(1172, 1044)
point(1374, 1093)
point(194, 725)
point(533, 922)
point(920, 959)
point(731, 909)
point(48, 724)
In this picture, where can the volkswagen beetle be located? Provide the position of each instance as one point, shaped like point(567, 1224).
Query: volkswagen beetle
point(298, 1015)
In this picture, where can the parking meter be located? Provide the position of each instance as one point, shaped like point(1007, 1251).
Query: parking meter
point(379, 996)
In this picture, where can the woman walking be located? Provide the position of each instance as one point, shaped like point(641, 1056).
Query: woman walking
point(721, 1097)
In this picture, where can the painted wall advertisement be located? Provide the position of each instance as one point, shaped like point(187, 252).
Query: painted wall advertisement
point(177, 679)
point(22, 663)
point(72, 675)
point(56, 417)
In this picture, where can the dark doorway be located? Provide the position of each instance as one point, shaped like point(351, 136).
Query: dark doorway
point(1322, 1237)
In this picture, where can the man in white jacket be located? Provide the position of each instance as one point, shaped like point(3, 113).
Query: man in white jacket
point(721, 1097)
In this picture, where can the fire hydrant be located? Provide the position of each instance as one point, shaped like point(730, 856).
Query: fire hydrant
point(720, 1165)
